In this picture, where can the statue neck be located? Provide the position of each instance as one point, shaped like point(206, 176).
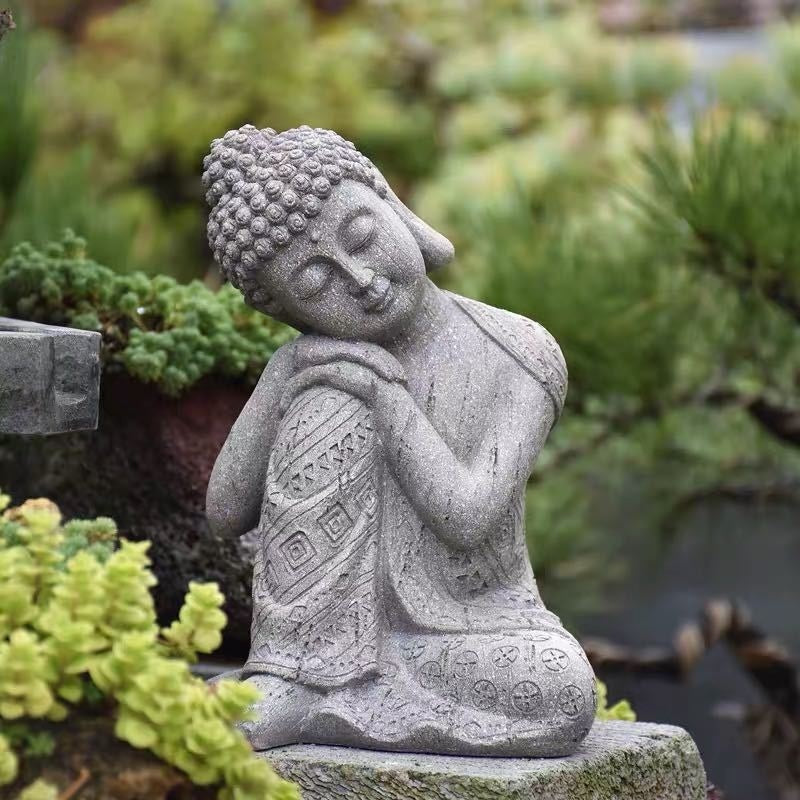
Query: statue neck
point(422, 329)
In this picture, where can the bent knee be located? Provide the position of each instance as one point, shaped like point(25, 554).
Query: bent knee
point(569, 687)
point(558, 679)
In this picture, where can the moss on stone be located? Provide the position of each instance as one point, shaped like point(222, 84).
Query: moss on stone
point(618, 761)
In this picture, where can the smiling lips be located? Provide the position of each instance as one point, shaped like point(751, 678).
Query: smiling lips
point(377, 296)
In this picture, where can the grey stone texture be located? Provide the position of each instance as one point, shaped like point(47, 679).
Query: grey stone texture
point(618, 761)
point(49, 378)
point(378, 473)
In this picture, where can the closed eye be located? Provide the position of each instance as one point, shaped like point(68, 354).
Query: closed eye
point(312, 279)
point(358, 232)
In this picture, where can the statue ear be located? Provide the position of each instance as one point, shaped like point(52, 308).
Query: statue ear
point(437, 250)
point(274, 309)
point(261, 301)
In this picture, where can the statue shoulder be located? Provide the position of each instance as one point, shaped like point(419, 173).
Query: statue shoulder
point(530, 344)
point(280, 365)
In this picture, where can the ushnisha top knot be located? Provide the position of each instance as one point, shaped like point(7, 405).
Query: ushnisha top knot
point(264, 186)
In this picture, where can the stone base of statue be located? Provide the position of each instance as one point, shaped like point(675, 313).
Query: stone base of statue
point(618, 761)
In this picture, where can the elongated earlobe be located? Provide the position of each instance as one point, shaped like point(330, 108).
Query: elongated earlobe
point(261, 301)
point(437, 250)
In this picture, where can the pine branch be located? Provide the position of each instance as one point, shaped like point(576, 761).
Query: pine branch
point(777, 290)
point(780, 421)
point(729, 205)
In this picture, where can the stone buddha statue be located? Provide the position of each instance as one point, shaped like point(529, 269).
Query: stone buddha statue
point(381, 466)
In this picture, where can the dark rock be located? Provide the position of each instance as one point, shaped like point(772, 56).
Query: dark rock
point(147, 466)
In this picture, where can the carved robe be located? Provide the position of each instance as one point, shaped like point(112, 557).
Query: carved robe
point(342, 549)
point(316, 610)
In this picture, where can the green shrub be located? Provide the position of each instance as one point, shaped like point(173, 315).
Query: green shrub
point(414, 84)
point(78, 622)
point(157, 329)
point(726, 206)
point(675, 313)
point(710, 194)
point(594, 282)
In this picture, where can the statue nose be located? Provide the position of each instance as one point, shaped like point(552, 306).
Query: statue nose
point(361, 277)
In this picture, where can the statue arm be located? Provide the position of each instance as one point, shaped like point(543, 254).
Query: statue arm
point(464, 502)
point(236, 486)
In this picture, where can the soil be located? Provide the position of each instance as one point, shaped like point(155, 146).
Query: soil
point(90, 763)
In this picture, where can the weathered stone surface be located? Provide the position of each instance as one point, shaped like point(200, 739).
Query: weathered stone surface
point(618, 761)
point(27, 400)
point(49, 378)
point(383, 460)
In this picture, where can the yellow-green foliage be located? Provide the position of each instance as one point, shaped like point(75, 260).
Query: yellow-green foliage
point(554, 107)
point(78, 617)
point(39, 790)
point(420, 87)
point(621, 710)
point(9, 763)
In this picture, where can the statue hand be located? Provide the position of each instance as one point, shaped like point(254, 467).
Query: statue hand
point(311, 351)
point(345, 376)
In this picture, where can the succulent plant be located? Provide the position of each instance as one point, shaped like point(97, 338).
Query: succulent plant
point(79, 622)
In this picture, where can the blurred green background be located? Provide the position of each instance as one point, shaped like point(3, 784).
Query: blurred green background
point(592, 174)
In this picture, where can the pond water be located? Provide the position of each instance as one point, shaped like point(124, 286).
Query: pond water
point(749, 553)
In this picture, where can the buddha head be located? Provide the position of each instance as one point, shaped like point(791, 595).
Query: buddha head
point(311, 234)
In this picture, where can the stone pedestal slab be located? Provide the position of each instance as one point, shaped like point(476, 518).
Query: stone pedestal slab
point(618, 761)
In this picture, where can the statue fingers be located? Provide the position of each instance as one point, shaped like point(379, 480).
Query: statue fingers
point(346, 377)
point(314, 350)
point(382, 362)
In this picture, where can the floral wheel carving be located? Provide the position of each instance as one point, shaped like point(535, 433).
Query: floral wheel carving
point(465, 662)
point(430, 674)
point(571, 700)
point(504, 656)
point(484, 695)
point(413, 650)
point(555, 660)
point(526, 697)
